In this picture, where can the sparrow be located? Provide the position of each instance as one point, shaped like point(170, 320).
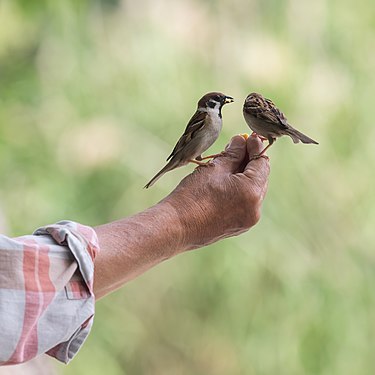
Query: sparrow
point(201, 132)
point(267, 121)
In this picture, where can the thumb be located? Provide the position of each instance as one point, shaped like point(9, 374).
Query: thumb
point(254, 145)
point(257, 169)
point(234, 154)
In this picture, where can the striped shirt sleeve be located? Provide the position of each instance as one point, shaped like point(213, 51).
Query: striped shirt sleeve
point(47, 302)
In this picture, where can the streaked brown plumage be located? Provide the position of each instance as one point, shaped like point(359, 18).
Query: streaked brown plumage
point(266, 120)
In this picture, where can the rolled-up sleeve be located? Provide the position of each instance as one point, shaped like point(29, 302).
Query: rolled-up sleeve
point(47, 302)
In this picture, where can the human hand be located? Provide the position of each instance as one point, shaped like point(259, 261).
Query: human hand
point(221, 199)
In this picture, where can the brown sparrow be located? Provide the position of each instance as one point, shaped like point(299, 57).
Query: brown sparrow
point(201, 132)
point(266, 120)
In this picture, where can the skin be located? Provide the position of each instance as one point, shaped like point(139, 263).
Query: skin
point(181, 222)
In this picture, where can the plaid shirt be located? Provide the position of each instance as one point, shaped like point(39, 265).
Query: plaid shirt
point(46, 292)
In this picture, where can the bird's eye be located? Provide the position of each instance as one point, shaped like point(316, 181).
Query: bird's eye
point(212, 103)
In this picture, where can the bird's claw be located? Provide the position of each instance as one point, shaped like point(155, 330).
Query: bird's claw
point(255, 157)
point(222, 153)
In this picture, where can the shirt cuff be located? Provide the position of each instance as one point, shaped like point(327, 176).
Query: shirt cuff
point(82, 242)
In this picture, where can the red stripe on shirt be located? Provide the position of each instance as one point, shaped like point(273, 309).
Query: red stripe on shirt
point(39, 292)
point(88, 233)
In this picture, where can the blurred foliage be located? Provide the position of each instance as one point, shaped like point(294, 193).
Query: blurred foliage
point(93, 96)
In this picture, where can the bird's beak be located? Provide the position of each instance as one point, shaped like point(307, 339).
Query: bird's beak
point(228, 99)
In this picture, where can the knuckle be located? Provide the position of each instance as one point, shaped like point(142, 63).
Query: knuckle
point(256, 194)
point(253, 209)
point(252, 217)
point(257, 215)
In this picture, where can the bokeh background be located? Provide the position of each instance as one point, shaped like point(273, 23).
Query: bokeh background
point(93, 96)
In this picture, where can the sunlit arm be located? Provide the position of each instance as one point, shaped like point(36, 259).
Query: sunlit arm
point(216, 201)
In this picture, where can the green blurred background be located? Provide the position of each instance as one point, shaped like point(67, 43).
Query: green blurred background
point(94, 95)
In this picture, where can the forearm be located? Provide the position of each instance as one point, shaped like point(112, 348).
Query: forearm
point(216, 201)
point(132, 245)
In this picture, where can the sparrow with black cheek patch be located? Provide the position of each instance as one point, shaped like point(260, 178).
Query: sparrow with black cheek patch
point(201, 132)
point(266, 120)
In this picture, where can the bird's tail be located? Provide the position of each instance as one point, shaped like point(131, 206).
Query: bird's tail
point(171, 165)
point(298, 136)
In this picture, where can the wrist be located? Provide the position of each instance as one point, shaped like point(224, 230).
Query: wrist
point(190, 218)
point(168, 232)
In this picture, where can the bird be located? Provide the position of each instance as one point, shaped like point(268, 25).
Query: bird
point(201, 132)
point(267, 121)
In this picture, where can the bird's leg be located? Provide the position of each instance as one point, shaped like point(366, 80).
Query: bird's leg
point(200, 163)
point(213, 156)
point(261, 154)
point(199, 158)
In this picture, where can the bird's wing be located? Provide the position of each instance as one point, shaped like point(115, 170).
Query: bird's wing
point(274, 114)
point(268, 112)
point(195, 124)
